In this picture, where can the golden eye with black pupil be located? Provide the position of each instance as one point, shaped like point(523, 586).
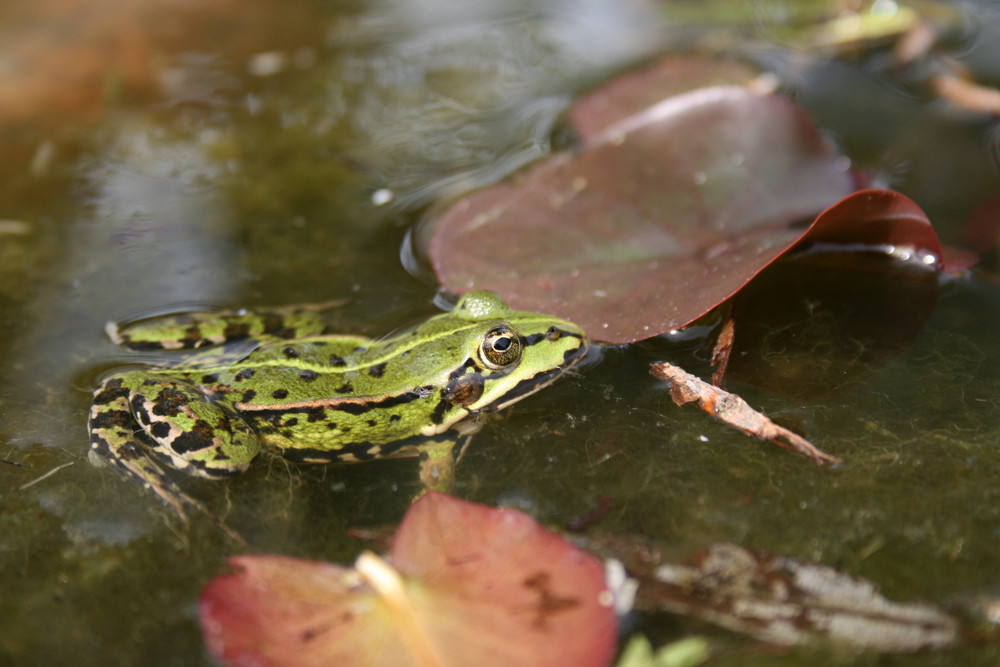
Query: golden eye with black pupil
point(500, 347)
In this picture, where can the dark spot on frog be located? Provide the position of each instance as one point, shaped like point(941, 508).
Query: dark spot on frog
point(439, 411)
point(138, 405)
point(192, 336)
point(109, 391)
point(290, 352)
point(372, 422)
point(392, 401)
point(394, 419)
point(308, 375)
point(345, 388)
point(291, 422)
point(273, 323)
point(199, 436)
point(169, 403)
point(130, 451)
point(160, 430)
point(248, 395)
point(211, 378)
point(236, 330)
point(315, 414)
point(332, 426)
point(534, 339)
point(377, 370)
point(244, 374)
point(337, 361)
point(113, 418)
point(279, 394)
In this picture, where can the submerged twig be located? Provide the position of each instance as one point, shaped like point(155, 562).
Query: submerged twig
point(45, 476)
point(730, 408)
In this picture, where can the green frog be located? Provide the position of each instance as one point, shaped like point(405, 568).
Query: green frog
point(278, 382)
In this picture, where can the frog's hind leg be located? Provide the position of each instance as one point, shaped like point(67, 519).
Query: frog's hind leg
point(112, 438)
point(178, 424)
point(195, 330)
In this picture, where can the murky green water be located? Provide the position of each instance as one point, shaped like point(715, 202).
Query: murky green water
point(228, 187)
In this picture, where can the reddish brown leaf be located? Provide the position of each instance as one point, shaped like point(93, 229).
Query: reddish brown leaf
point(626, 95)
point(666, 213)
point(472, 585)
point(878, 220)
point(507, 576)
point(656, 221)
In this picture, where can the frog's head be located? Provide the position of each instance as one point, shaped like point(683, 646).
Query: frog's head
point(509, 354)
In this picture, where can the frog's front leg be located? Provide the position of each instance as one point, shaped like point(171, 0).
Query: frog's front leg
point(438, 458)
point(140, 413)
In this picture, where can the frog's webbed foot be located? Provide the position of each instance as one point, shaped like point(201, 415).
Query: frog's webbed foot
point(130, 458)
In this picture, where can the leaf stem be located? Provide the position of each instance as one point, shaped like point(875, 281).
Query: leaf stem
point(387, 583)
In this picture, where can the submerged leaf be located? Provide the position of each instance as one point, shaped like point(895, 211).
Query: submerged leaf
point(467, 585)
point(784, 601)
point(778, 599)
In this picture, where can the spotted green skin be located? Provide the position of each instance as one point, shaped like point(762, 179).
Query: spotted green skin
point(276, 382)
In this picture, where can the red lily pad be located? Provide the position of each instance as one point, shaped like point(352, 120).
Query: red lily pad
point(465, 584)
point(662, 215)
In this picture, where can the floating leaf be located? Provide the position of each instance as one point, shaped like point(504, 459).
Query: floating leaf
point(688, 652)
point(465, 585)
point(654, 222)
point(630, 94)
point(664, 214)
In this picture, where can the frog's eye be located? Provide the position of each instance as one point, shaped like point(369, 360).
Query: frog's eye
point(500, 348)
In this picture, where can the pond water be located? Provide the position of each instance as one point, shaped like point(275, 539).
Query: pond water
point(160, 159)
